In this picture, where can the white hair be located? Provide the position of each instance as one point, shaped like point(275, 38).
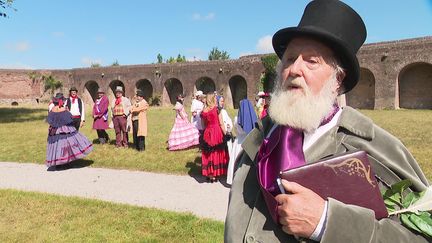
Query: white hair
point(303, 111)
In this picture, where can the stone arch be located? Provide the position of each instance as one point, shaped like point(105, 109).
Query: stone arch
point(238, 88)
point(112, 87)
point(362, 96)
point(146, 87)
point(172, 88)
point(415, 86)
point(90, 92)
point(205, 84)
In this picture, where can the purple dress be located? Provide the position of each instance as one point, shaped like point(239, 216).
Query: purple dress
point(65, 143)
point(100, 109)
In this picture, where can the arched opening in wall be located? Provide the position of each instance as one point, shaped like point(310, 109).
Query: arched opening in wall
point(415, 86)
point(112, 87)
point(206, 85)
point(238, 87)
point(362, 96)
point(90, 92)
point(172, 88)
point(145, 86)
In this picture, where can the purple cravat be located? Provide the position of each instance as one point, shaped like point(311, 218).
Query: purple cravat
point(281, 151)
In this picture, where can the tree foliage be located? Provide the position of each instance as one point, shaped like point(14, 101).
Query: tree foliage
point(4, 5)
point(216, 54)
point(51, 83)
point(115, 63)
point(159, 58)
point(177, 59)
point(95, 65)
point(267, 80)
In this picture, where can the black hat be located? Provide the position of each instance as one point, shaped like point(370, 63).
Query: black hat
point(335, 24)
point(57, 97)
point(140, 93)
point(73, 89)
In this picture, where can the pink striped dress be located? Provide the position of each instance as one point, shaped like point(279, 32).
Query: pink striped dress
point(184, 134)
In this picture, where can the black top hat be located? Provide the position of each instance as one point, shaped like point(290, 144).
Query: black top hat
point(140, 93)
point(335, 24)
point(73, 89)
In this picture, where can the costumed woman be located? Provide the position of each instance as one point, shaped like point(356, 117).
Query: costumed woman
point(214, 154)
point(244, 122)
point(183, 134)
point(100, 116)
point(65, 143)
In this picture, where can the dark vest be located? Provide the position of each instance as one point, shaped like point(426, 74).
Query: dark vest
point(69, 104)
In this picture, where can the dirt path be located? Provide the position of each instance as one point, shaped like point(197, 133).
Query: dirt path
point(168, 192)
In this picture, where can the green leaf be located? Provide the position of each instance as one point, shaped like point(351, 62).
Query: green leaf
point(411, 198)
point(407, 222)
point(422, 223)
point(396, 190)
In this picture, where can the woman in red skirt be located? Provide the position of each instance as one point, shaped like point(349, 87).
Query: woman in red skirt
point(214, 151)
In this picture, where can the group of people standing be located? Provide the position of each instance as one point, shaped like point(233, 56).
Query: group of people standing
point(211, 128)
point(67, 115)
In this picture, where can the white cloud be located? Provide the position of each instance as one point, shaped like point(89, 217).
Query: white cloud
point(199, 17)
point(21, 46)
point(264, 44)
point(16, 66)
point(58, 34)
point(88, 61)
point(246, 54)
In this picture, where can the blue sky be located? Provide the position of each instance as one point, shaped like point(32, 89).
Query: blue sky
point(48, 34)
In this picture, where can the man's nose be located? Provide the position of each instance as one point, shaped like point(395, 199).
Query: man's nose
point(296, 67)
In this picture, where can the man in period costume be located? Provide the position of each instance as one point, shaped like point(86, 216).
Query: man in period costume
point(139, 121)
point(120, 110)
point(76, 108)
point(317, 63)
point(100, 116)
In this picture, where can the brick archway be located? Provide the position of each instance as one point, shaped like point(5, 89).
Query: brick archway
point(145, 86)
point(172, 88)
point(363, 94)
point(415, 86)
point(238, 88)
point(206, 85)
point(90, 91)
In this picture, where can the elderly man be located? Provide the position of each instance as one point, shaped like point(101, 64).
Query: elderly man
point(317, 63)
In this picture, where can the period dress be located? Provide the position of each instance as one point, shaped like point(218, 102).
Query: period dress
point(183, 134)
point(214, 151)
point(65, 143)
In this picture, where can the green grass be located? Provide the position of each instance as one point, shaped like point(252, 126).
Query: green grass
point(23, 132)
point(37, 217)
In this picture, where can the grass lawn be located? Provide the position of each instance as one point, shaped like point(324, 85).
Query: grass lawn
point(24, 132)
point(37, 217)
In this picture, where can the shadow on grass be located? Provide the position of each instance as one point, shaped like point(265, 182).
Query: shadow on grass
point(195, 172)
point(8, 115)
point(77, 164)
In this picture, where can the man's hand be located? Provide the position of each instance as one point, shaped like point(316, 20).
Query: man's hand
point(299, 210)
point(82, 124)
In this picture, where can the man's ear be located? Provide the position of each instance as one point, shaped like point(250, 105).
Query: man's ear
point(340, 77)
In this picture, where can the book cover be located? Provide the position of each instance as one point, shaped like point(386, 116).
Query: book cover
point(347, 178)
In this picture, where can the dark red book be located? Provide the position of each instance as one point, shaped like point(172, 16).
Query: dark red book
point(347, 178)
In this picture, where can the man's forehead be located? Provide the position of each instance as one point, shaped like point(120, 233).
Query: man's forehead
point(304, 45)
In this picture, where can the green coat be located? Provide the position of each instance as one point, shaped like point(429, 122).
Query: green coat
point(249, 221)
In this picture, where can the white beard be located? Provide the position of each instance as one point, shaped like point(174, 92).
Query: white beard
point(300, 110)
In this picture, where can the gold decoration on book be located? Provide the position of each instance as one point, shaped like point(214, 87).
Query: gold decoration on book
point(353, 166)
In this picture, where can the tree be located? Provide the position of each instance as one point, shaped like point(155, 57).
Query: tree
point(177, 59)
point(216, 54)
point(51, 83)
point(159, 58)
point(4, 4)
point(115, 63)
point(95, 65)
